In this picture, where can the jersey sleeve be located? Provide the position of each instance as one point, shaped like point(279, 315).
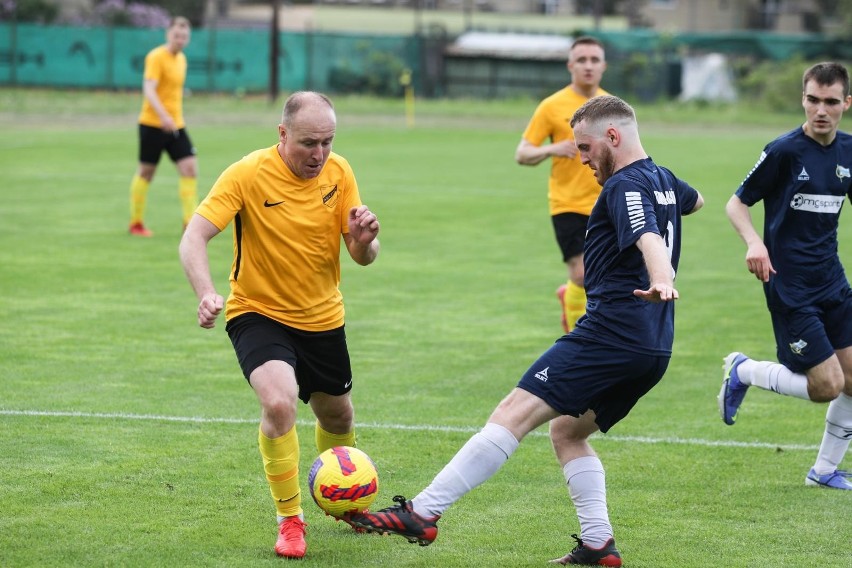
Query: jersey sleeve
point(762, 179)
point(153, 67)
point(226, 197)
point(632, 212)
point(687, 196)
point(538, 129)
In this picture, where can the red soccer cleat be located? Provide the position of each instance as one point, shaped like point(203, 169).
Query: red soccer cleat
point(139, 230)
point(291, 538)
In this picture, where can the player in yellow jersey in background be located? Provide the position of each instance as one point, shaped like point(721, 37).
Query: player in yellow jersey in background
point(290, 205)
point(162, 127)
point(572, 189)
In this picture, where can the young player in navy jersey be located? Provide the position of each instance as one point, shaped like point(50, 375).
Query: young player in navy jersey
point(591, 378)
point(802, 177)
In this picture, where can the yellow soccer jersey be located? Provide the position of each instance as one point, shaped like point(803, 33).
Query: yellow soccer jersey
point(572, 187)
point(287, 237)
point(169, 71)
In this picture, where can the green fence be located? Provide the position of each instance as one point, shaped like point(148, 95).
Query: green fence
point(643, 64)
point(218, 59)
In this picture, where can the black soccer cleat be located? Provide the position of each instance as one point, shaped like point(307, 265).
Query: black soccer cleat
point(584, 555)
point(399, 519)
point(347, 518)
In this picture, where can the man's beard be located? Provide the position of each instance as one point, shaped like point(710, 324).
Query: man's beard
point(606, 168)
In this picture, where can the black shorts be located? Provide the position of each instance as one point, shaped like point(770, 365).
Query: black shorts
point(152, 142)
point(576, 375)
point(808, 335)
point(320, 358)
point(570, 229)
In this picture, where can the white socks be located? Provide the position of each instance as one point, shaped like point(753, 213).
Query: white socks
point(480, 458)
point(774, 377)
point(486, 452)
point(587, 488)
point(838, 419)
point(838, 433)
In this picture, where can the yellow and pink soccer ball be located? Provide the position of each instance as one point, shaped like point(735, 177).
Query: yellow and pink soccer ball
point(343, 480)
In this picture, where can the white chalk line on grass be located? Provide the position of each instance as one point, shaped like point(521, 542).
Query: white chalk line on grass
point(409, 427)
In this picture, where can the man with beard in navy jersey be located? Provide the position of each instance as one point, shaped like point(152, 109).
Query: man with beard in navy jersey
point(802, 177)
point(591, 378)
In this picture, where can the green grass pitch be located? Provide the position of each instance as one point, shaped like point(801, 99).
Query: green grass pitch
point(128, 435)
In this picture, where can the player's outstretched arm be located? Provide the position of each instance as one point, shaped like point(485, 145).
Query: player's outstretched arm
point(659, 268)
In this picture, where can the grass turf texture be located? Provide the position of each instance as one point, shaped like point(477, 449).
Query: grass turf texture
point(128, 435)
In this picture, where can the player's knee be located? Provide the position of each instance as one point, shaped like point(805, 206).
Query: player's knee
point(337, 424)
point(335, 418)
point(826, 390)
point(278, 408)
point(188, 167)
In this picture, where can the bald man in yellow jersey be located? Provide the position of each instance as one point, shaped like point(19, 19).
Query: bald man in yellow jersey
point(290, 204)
point(572, 188)
point(162, 127)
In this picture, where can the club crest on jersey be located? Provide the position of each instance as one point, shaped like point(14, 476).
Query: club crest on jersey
point(798, 347)
point(841, 172)
point(329, 195)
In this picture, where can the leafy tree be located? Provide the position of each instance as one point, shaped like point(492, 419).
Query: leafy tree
point(190, 9)
point(41, 11)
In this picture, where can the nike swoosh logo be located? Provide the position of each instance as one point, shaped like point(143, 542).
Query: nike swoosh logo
point(268, 204)
point(347, 385)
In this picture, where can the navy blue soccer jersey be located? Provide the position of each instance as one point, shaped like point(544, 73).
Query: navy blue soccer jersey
point(802, 185)
point(639, 198)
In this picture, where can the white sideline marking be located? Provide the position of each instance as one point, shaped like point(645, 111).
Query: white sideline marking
point(411, 427)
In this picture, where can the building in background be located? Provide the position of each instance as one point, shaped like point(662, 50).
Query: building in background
point(782, 16)
point(670, 16)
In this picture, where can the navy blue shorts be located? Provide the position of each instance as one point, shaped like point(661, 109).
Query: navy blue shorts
point(153, 141)
point(320, 358)
point(576, 375)
point(807, 336)
point(570, 229)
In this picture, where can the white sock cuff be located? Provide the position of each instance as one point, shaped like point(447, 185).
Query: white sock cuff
point(844, 401)
point(500, 437)
point(839, 416)
point(582, 465)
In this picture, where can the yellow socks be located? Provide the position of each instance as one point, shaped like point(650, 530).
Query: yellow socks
point(188, 192)
point(138, 198)
point(326, 440)
point(575, 303)
point(281, 464)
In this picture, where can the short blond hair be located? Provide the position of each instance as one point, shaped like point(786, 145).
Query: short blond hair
point(606, 107)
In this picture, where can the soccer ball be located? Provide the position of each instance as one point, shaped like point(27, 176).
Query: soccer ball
point(343, 480)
